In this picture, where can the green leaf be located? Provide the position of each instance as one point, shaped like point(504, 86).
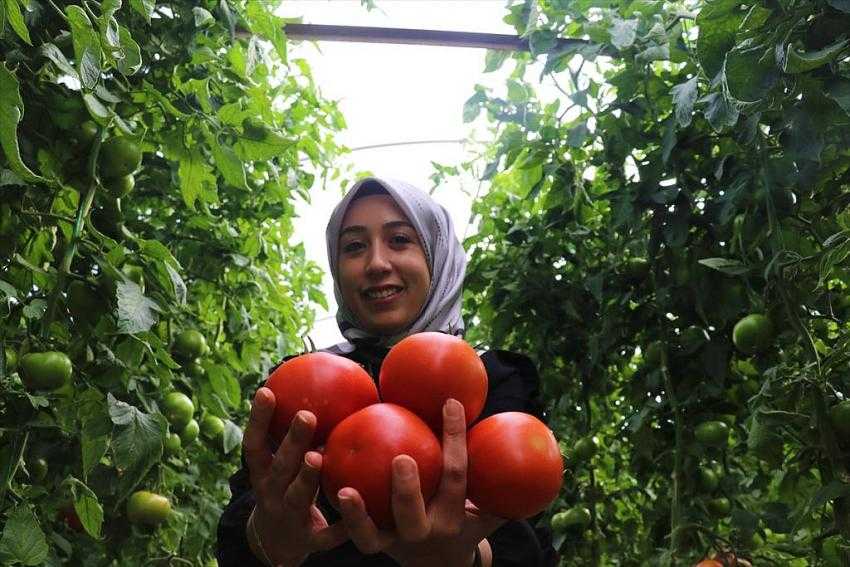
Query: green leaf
point(718, 22)
point(268, 26)
point(623, 33)
point(16, 20)
point(138, 444)
point(136, 313)
point(132, 60)
point(269, 147)
point(224, 384)
point(53, 53)
point(842, 5)
point(144, 8)
point(228, 163)
point(668, 142)
point(11, 112)
point(97, 109)
point(89, 69)
point(23, 540)
point(472, 106)
point(684, 97)
point(232, 436)
point(796, 62)
point(84, 38)
point(494, 59)
point(203, 17)
point(197, 180)
point(725, 265)
point(839, 91)
point(87, 507)
point(749, 72)
point(720, 111)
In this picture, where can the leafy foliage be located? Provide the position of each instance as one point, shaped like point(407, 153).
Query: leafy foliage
point(695, 170)
point(230, 132)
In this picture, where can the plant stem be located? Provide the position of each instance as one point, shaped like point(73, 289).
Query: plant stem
point(676, 525)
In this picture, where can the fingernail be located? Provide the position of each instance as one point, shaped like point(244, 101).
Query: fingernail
point(344, 496)
point(405, 468)
point(311, 460)
point(453, 408)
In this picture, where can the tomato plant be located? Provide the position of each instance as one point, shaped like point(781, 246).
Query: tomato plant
point(515, 465)
point(145, 507)
point(329, 386)
point(178, 409)
point(45, 370)
point(360, 450)
point(423, 370)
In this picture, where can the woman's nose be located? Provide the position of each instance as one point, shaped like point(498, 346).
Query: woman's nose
point(378, 260)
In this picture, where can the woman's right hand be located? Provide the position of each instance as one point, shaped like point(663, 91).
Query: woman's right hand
point(288, 524)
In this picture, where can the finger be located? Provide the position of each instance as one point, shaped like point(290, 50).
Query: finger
point(330, 537)
point(411, 519)
point(452, 491)
point(301, 493)
point(361, 529)
point(254, 446)
point(289, 456)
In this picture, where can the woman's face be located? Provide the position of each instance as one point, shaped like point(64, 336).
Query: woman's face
point(383, 274)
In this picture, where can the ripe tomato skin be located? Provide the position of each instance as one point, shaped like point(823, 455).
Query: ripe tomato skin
point(423, 370)
point(709, 563)
point(331, 387)
point(515, 465)
point(360, 451)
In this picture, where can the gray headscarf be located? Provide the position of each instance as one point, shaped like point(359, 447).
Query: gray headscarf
point(443, 252)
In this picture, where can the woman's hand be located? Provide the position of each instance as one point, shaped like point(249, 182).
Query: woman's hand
point(288, 524)
point(447, 530)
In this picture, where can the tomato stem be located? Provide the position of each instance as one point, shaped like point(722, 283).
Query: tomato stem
point(676, 527)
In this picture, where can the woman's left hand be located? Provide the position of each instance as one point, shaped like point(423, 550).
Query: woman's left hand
point(444, 532)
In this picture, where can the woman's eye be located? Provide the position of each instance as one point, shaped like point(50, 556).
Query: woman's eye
point(352, 247)
point(401, 239)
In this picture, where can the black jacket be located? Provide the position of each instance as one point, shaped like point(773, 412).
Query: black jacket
point(513, 386)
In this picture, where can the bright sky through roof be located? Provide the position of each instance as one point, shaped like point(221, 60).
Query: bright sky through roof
point(395, 93)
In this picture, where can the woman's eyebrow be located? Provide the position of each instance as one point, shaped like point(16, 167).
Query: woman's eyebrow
point(357, 228)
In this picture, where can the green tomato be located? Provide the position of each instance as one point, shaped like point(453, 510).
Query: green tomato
point(45, 370)
point(135, 274)
point(189, 345)
point(120, 186)
point(190, 432)
point(119, 157)
point(194, 370)
point(712, 433)
point(753, 333)
point(178, 409)
point(709, 480)
point(87, 132)
point(212, 427)
point(172, 444)
point(584, 449)
point(148, 508)
point(719, 507)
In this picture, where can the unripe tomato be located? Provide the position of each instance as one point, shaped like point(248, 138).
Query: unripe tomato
point(360, 451)
point(148, 508)
point(708, 479)
point(194, 370)
point(37, 469)
point(329, 386)
point(172, 443)
point(120, 186)
point(189, 345)
point(839, 415)
point(178, 409)
point(119, 157)
point(136, 274)
point(45, 370)
point(423, 370)
point(87, 132)
point(515, 466)
point(212, 427)
point(584, 450)
point(190, 432)
point(753, 333)
point(719, 507)
point(712, 433)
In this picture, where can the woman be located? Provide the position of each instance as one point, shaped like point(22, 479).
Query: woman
point(398, 269)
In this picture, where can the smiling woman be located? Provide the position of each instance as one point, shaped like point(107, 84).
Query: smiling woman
point(398, 270)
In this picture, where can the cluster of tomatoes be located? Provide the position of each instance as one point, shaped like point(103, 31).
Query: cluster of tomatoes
point(515, 467)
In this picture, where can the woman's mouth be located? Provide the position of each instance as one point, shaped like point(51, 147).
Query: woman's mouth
point(382, 295)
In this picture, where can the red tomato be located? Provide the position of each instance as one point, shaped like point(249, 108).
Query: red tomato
point(709, 563)
point(330, 386)
point(360, 451)
point(423, 370)
point(515, 465)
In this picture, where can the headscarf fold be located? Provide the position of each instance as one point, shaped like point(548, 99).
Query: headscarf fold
point(444, 255)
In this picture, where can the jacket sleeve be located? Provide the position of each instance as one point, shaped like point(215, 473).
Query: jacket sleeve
point(514, 385)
